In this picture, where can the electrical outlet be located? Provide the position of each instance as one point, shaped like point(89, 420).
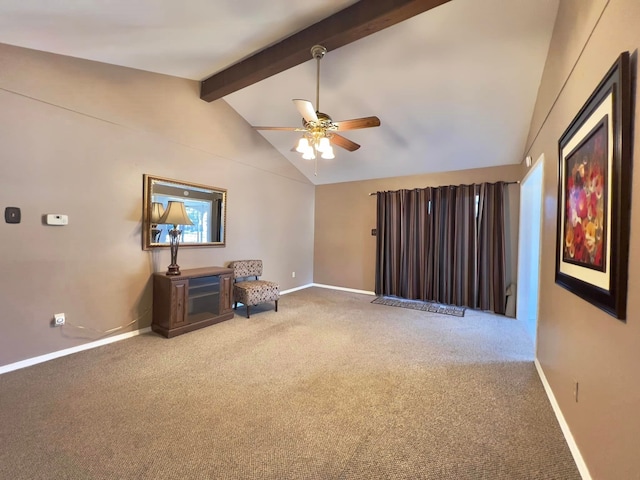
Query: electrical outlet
point(58, 319)
point(293, 274)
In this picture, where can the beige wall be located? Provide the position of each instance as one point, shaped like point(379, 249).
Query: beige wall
point(577, 341)
point(345, 252)
point(77, 137)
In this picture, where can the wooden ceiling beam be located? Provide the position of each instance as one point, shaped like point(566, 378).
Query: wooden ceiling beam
point(353, 23)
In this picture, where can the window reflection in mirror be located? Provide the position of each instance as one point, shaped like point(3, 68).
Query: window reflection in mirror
point(205, 206)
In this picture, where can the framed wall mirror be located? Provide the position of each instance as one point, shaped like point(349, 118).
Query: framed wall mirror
point(206, 207)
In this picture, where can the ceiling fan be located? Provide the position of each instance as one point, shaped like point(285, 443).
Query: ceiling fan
point(319, 131)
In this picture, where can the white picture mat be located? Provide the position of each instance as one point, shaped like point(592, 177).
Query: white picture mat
point(594, 277)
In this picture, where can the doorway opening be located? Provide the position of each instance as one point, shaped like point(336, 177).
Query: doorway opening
point(529, 249)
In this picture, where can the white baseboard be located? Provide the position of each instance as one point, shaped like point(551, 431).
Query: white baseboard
point(331, 287)
point(309, 285)
point(68, 351)
point(291, 290)
point(575, 451)
point(87, 346)
point(344, 289)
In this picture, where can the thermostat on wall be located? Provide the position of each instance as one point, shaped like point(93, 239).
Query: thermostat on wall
point(12, 215)
point(57, 219)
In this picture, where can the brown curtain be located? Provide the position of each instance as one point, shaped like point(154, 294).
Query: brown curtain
point(403, 234)
point(491, 256)
point(431, 245)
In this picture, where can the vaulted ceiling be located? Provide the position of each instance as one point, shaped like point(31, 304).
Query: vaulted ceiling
point(454, 87)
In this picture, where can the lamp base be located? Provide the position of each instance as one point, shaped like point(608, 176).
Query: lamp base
point(173, 269)
point(155, 233)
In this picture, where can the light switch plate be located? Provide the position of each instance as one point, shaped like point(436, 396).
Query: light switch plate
point(12, 215)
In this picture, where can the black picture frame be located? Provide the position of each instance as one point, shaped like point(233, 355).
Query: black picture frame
point(594, 195)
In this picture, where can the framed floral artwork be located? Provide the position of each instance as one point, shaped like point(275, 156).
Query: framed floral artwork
point(594, 195)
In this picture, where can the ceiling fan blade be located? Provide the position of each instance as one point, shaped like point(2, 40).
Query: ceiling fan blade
point(355, 123)
point(343, 142)
point(276, 128)
point(306, 110)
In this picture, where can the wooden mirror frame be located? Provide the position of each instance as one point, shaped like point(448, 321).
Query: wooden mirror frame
point(181, 190)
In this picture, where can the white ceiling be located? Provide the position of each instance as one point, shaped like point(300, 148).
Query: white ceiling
point(453, 87)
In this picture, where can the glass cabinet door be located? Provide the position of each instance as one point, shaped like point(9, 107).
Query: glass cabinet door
point(203, 298)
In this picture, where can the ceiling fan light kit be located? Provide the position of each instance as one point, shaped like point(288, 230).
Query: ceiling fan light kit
point(319, 131)
point(324, 145)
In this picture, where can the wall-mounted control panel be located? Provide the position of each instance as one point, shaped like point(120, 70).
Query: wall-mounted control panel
point(12, 215)
point(57, 219)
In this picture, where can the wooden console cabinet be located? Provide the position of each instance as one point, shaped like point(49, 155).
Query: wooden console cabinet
point(194, 299)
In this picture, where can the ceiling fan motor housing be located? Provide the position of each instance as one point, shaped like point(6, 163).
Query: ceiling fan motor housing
point(322, 127)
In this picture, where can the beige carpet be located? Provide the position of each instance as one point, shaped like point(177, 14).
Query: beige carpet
point(330, 387)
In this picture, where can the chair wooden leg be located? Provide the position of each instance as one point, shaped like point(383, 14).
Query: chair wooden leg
point(276, 305)
point(248, 311)
point(235, 305)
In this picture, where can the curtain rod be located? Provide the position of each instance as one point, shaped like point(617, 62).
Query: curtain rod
point(506, 183)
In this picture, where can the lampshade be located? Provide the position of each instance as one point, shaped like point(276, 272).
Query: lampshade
point(175, 214)
point(328, 153)
point(323, 145)
point(308, 154)
point(157, 209)
point(303, 145)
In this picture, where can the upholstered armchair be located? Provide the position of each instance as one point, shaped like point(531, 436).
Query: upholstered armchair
point(250, 291)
